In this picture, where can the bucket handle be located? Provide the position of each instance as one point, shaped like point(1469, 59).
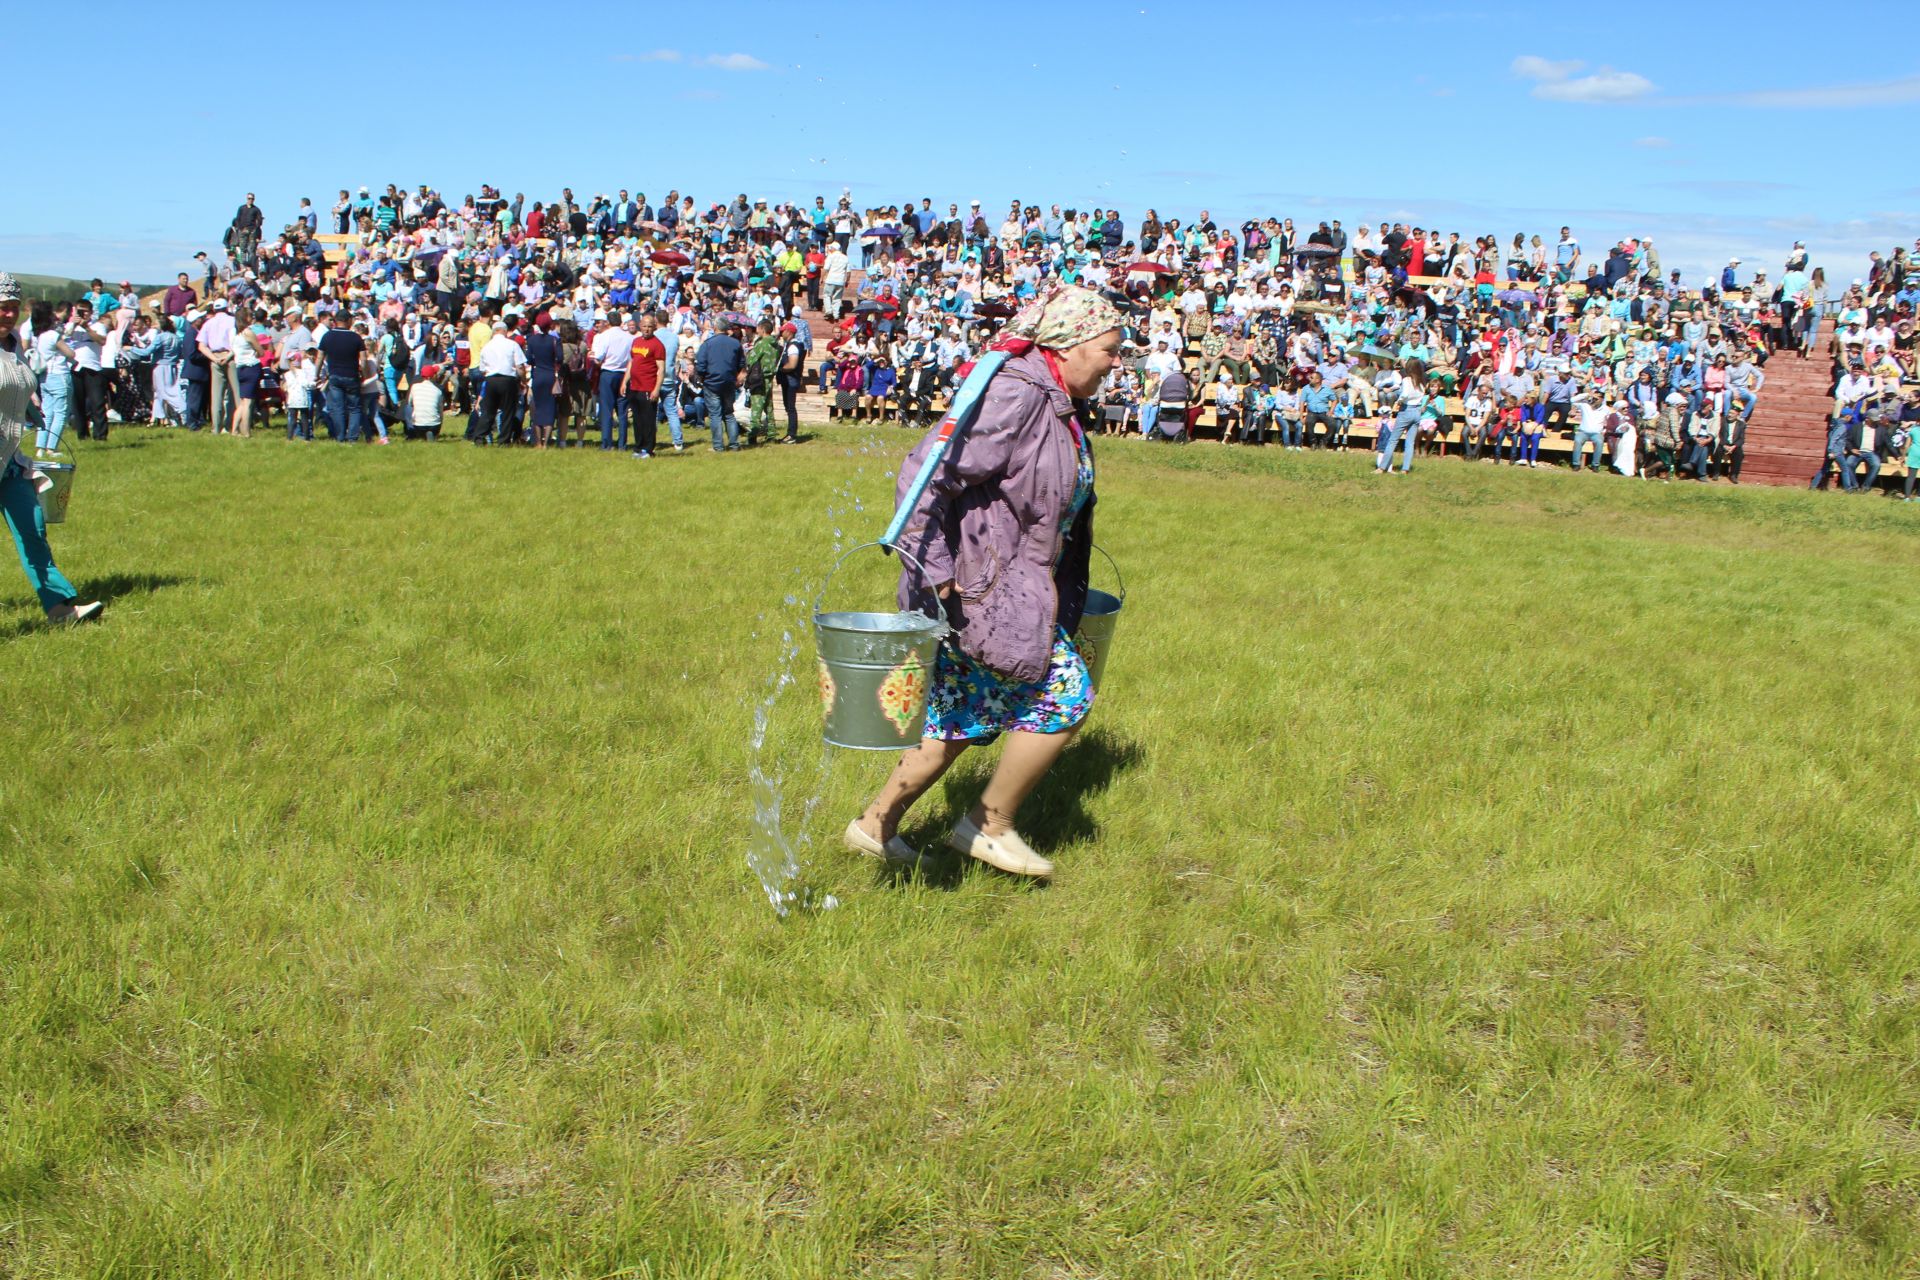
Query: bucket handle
point(1115, 565)
point(904, 555)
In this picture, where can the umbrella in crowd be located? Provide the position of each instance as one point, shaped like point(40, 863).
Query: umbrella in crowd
point(652, 226)
point(720, 279)
point(1516, 297)
point(670, 257)
point(1316, 251)
point(993, 310)
point(881, 233)
point(1145, 268)
point(736, 317)
point(867, 308)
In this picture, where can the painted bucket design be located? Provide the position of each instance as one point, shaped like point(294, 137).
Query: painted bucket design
point(1094, 638)
point(874, 671)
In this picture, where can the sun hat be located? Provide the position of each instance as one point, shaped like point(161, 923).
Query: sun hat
point(9, 288)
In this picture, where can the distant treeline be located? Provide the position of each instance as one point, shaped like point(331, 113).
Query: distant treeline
point(63, 289)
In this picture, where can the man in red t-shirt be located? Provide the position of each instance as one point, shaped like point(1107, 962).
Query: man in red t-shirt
point(816, 262)
point(643, 387)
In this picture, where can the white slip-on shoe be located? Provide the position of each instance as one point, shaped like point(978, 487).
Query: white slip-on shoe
point(1008, 852)
point(859, 841)
point(73, 612)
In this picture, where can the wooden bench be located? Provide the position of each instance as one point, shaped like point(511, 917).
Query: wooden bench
point(336, 246)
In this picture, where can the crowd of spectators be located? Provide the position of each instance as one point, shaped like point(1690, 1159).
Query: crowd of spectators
point(596, 320)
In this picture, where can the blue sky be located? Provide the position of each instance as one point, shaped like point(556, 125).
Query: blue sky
point(1716, 129)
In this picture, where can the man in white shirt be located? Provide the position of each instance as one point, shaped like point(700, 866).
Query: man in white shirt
point(216, 344)
point(1591, 427)
point(833, 281)
point(1854, 387)
point(1161, 360)
point(1479, 407)
point(501, 363)
point(613, 351)
point(85, 339)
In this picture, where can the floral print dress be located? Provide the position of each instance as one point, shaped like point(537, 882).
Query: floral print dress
point(972, 703)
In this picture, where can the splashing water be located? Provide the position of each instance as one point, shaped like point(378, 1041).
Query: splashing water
point(779, 838)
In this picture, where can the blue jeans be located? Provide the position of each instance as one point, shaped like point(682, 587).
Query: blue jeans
point(612, 405)
point(1850, 474)
point(670, 401)
point(1149, 414)
point(1405, 427)
point(370, 412)
point(1746, 398)
point(56, 393)
point(720, 413)
point(1581, 439)
point(1290, 432)
point(343, 412)
point(28, 523)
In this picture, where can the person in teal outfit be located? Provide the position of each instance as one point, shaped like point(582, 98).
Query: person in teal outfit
point(19, 496)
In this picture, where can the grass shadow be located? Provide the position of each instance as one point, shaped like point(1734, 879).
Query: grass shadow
point(112, 587)
point(116, 586)
point(1055, 815)
point(1057, 812)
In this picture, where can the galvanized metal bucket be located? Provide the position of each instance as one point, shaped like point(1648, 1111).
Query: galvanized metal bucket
point(875, 670)
point(53, 481)
point(1094, 638)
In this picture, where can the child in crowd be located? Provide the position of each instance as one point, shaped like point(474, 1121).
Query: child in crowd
point(1506, 434)
point(303, 373)
point(1533, 425)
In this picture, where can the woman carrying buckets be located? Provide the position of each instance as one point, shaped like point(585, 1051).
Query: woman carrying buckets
point(19, 497)
point(1004, 527)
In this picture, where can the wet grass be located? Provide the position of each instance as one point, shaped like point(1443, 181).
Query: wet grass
point(1469, 874)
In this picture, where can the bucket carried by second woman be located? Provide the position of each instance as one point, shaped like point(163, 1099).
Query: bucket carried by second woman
point(875, 670)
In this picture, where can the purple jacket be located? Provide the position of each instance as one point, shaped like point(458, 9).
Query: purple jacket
point(990, 524)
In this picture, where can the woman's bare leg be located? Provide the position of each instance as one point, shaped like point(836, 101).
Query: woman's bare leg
point(1023, 762)
point(919, 768)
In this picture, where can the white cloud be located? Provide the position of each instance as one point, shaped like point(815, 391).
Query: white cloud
point(654, 55)
point(1876, 93)
point(1604, 85)
point(1533, 67)
point(1653, 142)
point(1555, 81)
point(733, 62)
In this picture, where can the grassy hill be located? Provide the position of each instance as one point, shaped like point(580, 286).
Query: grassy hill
point(65, 289)
point(1478, 873)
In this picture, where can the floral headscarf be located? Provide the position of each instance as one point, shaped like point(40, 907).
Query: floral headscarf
point(1063, 316)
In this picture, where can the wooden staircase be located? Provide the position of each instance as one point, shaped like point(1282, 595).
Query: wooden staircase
point(1787, 435)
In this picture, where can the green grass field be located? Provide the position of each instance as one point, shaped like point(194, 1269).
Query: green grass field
point(1472, 874)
